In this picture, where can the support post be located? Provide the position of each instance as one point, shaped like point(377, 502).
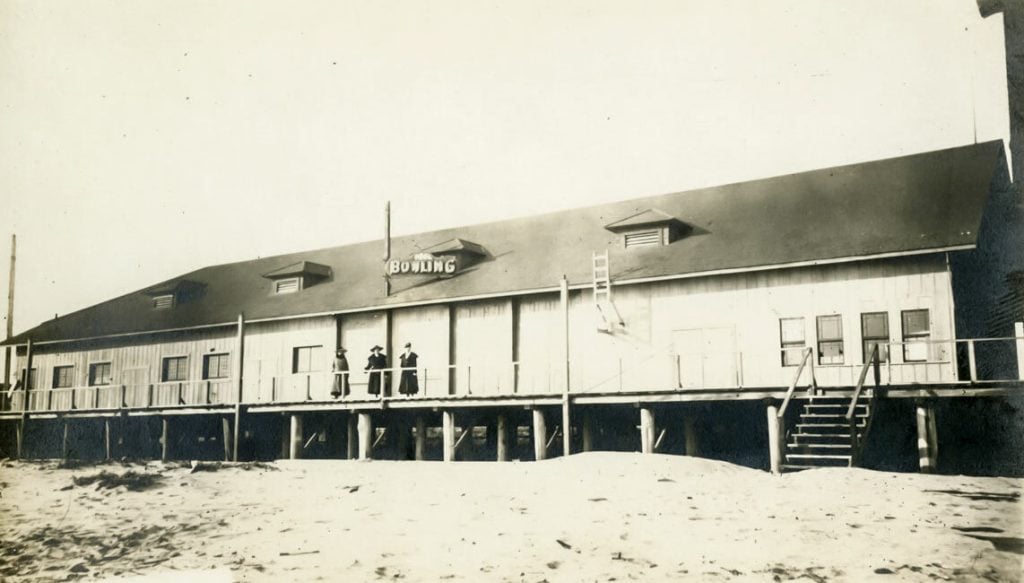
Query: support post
point(106, 439)
point(165, 442)
point(690, 436)
point(351, 439)
point(421, 438)
point(566, 421)
point(501, 439)
point(6, 381)
point(1018, 333)
point(239, 367)
point(230, 453)
point(540, 436)
point(971, 361)
point(927, 437)
point(19, 438)
point(448, 435)
point(647, 430)
point(365, 436)
point(295, 433)
point(775, 434)
point(588, 431)
point(64, 442)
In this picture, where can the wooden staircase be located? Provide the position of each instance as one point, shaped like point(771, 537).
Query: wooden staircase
point(823, 437)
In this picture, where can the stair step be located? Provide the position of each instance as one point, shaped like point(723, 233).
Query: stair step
point(836, 425)
point(831, 415)
point(819, 460)
point(821, 436)
point(820, 445)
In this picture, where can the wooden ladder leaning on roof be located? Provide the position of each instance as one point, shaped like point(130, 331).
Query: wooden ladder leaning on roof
point(603, 293)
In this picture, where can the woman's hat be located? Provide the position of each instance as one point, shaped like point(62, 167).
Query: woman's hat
point(376, 347)
point(408, 345)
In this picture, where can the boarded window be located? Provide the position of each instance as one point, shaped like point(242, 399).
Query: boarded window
point(163, 302)
point(830, 339)
point(916, 333)
point(99, 373)
point(286, 286)
point(791, 332)
point(63, 377)
point(643, 238)
point(216, 366)
point(175, 368)
point(874, 330)
point(306, 359)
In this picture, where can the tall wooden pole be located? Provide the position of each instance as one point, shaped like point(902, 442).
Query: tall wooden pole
point(775, 437)
point(501, 439)
point(365, 436)
point(647, 431)
point(295, 441)
point(10, 315)
point(566, 421)
point(387, 247)
point(448, 435)
point(540, 436)
point(240, 352)
point(421, 438)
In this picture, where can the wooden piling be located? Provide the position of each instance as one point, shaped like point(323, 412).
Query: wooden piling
point(587, 429)
point(1018, 333)
point(106, 438)
point(19, 438)
point(230, 453)
point(448, 435)
point(64, 442)
point(690, 436)
point(775, 434)
point(165, 442)
point(365, 436)
point(295, 433)
point(540, 436)
point(239, 367)
point(927, 437)
point(351, 439)
point(647, 430)
point(501, 438)
point(421, 438)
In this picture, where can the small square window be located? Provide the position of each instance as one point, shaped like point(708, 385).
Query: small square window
point(99, 374)
point(175, 368)
point(63, 377)
point(792, 338)
point(830, 339)
point(306, 359)
point(216, 366)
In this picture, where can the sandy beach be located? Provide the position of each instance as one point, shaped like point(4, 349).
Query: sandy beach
point(589, 517)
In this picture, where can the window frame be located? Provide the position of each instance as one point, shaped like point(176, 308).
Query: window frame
point(787, 348)
point(164, 370)
point(206, 365)
point(820, 341)
point(658, 241)
point(277, 285)
point(55, 381)
point(28, 380)
point(881, 341)
point(296, 351)
point(911, 340)
point(92, 373)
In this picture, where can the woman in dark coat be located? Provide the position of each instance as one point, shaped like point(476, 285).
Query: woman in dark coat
point(409, 384)
point(376, 363)
point(340, 368)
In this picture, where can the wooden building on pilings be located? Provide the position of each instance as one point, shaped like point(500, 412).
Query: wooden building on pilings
point(785, 312)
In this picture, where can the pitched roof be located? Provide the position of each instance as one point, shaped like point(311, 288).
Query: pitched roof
point(299, 268)
point(913, 203)
point(641, 219)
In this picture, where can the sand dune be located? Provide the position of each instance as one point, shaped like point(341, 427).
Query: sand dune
point(589, 517)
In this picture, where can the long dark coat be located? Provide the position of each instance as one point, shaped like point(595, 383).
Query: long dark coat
point(376, 363)
point(409, 384)
point(341, 387)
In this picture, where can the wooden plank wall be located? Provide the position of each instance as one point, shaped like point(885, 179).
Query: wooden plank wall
point(268, 355)
point(426, 327)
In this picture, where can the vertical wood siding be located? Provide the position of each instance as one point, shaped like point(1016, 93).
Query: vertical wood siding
point(426, 328)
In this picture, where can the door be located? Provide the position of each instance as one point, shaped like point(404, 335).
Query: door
point(706, 357)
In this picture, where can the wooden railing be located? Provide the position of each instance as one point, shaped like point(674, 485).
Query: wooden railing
point(856, 441)
point(808, 357)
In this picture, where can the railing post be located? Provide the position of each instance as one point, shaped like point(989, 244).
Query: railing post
point(469, 379)
point(149, 396)
point(124, 396)
point(679, 372)
point(1018, 333)
point(96, 398)
point(49, 400)
point(309, 395)
point(971, 361)
point(208, 391)
point(273, 389)
point(181, 398)
point(73, 395)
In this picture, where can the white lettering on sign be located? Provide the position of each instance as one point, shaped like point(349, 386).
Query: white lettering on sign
point(420, 264)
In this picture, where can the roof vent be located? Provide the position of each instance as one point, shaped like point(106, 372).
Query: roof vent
point(297, 276)
point(174, 292)
point(648, 228)
point(466, 253)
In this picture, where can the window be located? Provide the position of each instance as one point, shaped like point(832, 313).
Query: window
point(63, 377)
point(216, 366)
point(175, 368)
point(99, 374)
point(31, 382)
point(306, 359)
point(286, 286)
point(643, 238)
point(916, 332)
point(791, 332)
point(874, 329)
point(163, 302)
point(830, 339)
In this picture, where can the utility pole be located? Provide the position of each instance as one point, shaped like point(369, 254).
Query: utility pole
point(387, 247)
point(10, 314)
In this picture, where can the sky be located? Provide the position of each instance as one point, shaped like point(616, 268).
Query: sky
point(143, 139)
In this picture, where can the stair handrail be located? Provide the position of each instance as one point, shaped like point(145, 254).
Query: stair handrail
point(808, 352)
point(872, 361)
